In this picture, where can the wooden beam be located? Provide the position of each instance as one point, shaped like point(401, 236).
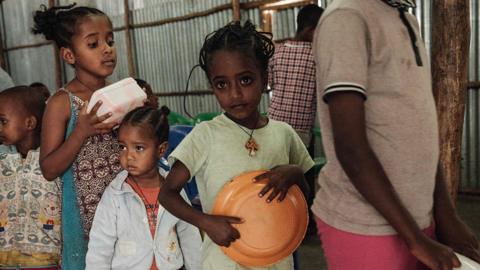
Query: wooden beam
point(266, 21)
point(474, 85)
point(237, 15)
point(287, 6)
point(128, 40)
point(56, 57)
point(450, 47)
point(179, 18)
point(26, 46)
point(256, 4)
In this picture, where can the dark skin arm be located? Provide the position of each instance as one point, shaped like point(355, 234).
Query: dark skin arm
point(218, 228)
point(347, 115)
point(280, 179)
point(56, 153)
point(450, 230)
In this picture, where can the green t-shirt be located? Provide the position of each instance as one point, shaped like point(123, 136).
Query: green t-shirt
point(214, 152)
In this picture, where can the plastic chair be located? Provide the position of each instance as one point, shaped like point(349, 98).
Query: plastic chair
point(205, 116)
point(176, 118)
point(175, 136)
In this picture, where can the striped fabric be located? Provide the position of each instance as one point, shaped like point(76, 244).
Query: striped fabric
point(343, 86)
point(402, 4)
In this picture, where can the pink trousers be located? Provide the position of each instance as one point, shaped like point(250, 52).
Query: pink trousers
point(346, 251)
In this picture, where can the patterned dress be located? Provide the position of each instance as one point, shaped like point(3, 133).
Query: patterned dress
point(29, 212)
point(95, 167)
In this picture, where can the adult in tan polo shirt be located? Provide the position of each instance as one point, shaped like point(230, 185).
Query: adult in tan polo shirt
point(381, 191)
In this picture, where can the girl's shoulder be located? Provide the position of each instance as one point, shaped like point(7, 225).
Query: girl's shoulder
point(279, 126)
point(59, 102)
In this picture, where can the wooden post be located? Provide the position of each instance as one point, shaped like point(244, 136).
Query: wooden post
point(236, 10)
point(450, 50)
point(128, 39)
point(267, 20)
point(56, 56)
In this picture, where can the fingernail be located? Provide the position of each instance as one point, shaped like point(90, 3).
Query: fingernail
point(268, 200)
point(260, 195)
point(110, 114)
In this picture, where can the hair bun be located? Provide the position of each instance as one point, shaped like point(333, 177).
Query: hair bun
point(165, 110)
point(46, 20)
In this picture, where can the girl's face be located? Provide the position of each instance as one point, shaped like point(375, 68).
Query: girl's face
point(237, 83)
point(139, 151)
point(93, 50)
point(13, 123)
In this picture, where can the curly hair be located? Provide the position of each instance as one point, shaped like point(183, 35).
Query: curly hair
point(235, 37)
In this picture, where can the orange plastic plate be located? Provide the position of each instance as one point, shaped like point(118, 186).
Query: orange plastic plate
point(271, 231)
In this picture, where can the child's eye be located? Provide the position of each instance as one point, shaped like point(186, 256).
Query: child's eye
point(111, 43)
point(139, 148)
point(246, 81)
point(122, 147)
point(93, 45)
point(3, 121)
point(220, 85)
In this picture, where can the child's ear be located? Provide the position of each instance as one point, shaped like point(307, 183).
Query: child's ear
point(31, 122)
point(67, 55)
point(162, 148)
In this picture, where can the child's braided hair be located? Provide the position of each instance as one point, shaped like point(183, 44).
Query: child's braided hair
point(153, 120)
point(235, 37)
point(58, 23)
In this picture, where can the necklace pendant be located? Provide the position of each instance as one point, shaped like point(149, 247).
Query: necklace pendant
point(252, 146)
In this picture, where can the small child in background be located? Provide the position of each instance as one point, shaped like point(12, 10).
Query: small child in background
point(42, 88)
point(119, 238)
point(235, 60)
point(29, 205)
point(78, 145)
point(152, 100)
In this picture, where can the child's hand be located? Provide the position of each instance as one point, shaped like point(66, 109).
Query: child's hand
point(90, 124)
point(220, 230)
point(434, 254)
point(280, 179)
point(455, 233)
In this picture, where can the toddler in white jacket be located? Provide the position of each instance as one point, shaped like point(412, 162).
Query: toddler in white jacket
point(131, 230)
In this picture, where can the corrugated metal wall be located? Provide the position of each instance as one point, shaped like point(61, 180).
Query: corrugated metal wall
point(164, 54)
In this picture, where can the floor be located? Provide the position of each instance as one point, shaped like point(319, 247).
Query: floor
point(310, 253)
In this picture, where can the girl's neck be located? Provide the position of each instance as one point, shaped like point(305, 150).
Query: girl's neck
point(30, 142)
point(256, 120)
point(90, 84)
point(148, 180)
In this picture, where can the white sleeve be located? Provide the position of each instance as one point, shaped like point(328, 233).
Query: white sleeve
point(103, 234)
point(190, 242)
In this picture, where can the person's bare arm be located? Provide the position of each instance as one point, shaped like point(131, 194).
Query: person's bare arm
point(347, 115)
point(218, 228)
point(450, 229)
point(56, 153)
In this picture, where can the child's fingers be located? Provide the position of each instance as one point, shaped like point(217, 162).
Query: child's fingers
point(104, 117)
point(83, 108)
point(265, 175)
point(233, 220)
point(95, 107)
point(265, 189)
point(104, 127)
point(273, 194)
point(282, 196)
point(455, 261)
